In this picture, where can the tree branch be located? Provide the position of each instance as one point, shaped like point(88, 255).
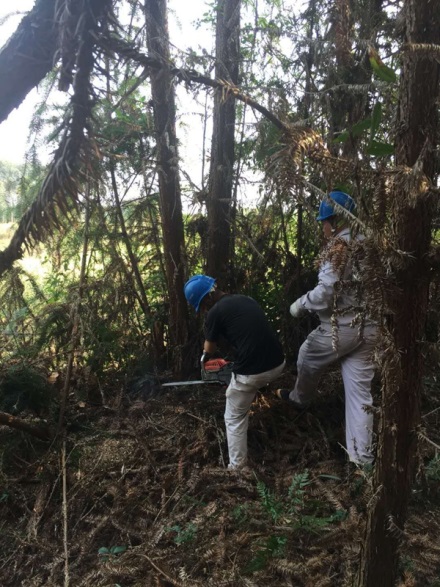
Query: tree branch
point(28, 56)
point(129, 52)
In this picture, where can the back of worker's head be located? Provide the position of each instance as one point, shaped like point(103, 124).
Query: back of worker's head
point(327, 208)
point(196, 288)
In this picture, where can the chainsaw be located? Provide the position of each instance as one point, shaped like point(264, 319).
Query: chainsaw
point(213, 371)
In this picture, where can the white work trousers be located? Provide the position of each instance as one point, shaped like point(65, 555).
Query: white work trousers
point(355, 353)
point(239, 397)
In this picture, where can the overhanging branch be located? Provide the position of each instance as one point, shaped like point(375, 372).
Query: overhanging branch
point(128, 51)
point(28, 56)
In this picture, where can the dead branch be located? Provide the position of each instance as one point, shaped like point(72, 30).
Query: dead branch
point(41, 431)
point(60, 188)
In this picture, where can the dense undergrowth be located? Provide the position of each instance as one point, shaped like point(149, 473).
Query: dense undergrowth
point(137, 494)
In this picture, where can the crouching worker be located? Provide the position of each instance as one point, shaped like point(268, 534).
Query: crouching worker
point(258, 355)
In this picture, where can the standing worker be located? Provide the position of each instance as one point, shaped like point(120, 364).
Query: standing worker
point(258, 360)
point(346, 333)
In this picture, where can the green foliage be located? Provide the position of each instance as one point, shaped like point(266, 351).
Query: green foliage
point(22, 387)
point(406, 564)
point(106, 554)
point(241, 513)
point(267, 143)
point(372, 123)
point(376, 117)
point(433, 468)
point(183, 535)
point(272, 547)
point(382, 71)
point(9, 190)
point(380, 149)
point(294, 509)
point(296, 491)
point(270, 503)
point(356, 130)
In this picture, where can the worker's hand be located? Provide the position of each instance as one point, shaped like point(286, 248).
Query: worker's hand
point(297, 309)
point(205, 356)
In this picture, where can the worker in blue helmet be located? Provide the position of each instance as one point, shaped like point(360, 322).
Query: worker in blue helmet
point(346, 333)
point(258, 355)
point(197, 288)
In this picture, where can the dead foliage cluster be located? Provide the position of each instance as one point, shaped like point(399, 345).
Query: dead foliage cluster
point(148, 500)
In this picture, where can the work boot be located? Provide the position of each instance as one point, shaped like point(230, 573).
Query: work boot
point(284, 394)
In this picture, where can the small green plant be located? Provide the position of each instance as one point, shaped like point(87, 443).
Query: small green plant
point(406, 564)
point(433, 469)
point(241, 513)
point(294, 509)
point(272, 547)
point(22, 387)
point(296, 492)
point(183, 535)
point(273, 506)
point(106, 554)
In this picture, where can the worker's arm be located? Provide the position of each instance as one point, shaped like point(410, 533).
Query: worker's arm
point(209, 347)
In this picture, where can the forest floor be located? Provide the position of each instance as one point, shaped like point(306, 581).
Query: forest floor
point(137, 495)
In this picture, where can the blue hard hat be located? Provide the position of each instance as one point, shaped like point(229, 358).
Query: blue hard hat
point(327, 209)
point(196, 288)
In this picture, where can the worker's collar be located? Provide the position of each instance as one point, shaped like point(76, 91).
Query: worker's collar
point(345, 231)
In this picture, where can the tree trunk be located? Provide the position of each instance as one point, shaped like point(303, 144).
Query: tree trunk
point(222, 149)
point(349, 107)
point(416, 141)
point(162, 89)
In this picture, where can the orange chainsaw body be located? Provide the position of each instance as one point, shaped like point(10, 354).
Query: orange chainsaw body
point(218, 370)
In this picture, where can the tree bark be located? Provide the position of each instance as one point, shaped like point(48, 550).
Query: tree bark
point(162, 89)
point(222, 149)
point(416, 141)
point(28, 56)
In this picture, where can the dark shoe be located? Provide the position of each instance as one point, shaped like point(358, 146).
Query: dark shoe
point(282, 394)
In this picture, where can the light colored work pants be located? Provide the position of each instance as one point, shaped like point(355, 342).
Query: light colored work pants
point(239, 397)
point(356, 356)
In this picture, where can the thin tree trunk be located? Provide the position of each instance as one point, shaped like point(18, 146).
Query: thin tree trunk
point(74, 339)
point(416, 141)
point(164, 108)
point(222, 149)
point(133, 261)
point(138, 286)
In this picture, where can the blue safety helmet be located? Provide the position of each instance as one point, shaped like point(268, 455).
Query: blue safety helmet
point(196, 288)
point(326, 208)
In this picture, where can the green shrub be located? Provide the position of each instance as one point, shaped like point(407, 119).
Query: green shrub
point(22, 387)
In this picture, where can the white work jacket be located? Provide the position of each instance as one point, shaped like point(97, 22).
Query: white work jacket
point(321, 299)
